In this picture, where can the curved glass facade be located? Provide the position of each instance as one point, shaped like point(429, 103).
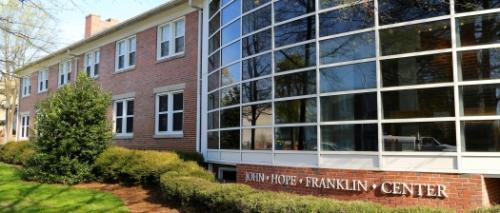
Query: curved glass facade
point(374, 77)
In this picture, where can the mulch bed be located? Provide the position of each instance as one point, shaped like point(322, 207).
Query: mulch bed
point(136, 198)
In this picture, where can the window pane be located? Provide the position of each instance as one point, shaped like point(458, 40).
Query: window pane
point(257, 90)
point(231, 53)
point(214, 43)
point(257, 139)
point(230, 96)
point(296, 111)
point(302, 83)
point(332, 3)
point(347, 19)
point(213, 140)
point(163, 122)
point(473, 5)
point(350, 77)
point(214, 61)
point(121, 64)
point(179, 44)
point(230, 139)
point(257, 66)
point(258, 114)
point(435, 102)
point(165, 48)
point(230, 117)
point(417, 70)
point(295, 57)
point(287, 9)
point(480, 100)
point(489, 132)
point(130, 107)
point(130, 125)
point(213, 120)
point(119, 108)
point(231, 12)
point(420, 137)
point(179, 28)
point(296, 138)
point(213, 81)
point(256, 20)
point(132, 44)
point(214, 24)
point(394, 11)
point(251, 4)
point(178, 101)
point(479, 64)
point(347, 48)
point(177, 121)
point(481, 29)
point(414, 38)
point(166, 33)
point(361, 106)
point(119, 122)
point(213, 100)
point(295, 31)
point(163, 103)
point(214, 6)
point(231, 74)
point(131, 59)
point(256, 43)
point(231, 32)
point(357, 137)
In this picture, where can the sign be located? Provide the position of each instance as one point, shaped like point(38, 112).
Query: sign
point(350, 185)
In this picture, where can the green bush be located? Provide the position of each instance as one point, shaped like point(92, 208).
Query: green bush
point(16, 152)
point(191, 156)
point(493, 209)
point(211, 196)
point(133, 167)
point(71, 130)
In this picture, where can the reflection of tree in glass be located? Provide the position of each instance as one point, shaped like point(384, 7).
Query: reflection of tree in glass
point(230, 96)
point(252, 114)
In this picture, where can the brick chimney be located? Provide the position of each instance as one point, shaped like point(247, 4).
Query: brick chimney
point(94, 24)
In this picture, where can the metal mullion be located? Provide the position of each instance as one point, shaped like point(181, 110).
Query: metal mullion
point(478, 12)
point(414, 22)
point(480, 118)
point(256, 79)
point(348, 122)
point(254, 32)
point(380, 138)
point(456, 92)
point(414, 54)
point(342, 6)
point(310, 41)
point(348, 92)
point(296, 124)
point(256, 55)
point(295, 71)
point(418, 120)
point(255, 9)
point(273, 71)
point(417, 87)
point(338, 35)
point(295, 98)
point(478, 47)
point(293, 19)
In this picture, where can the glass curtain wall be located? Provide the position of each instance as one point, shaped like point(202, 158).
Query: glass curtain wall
point(362, 76)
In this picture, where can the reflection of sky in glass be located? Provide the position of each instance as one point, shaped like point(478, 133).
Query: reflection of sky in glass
point(231, 32)
point(346, 48)
point(231, 12)
point(351, 77)
point(231, 53)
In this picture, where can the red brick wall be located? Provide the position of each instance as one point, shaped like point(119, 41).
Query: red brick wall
point(147, 75)
point(464, 191)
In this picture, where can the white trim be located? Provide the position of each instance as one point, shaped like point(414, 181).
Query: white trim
point(24, 126)
point(26, 86)
point(172, 25)
point(130, 46)
point(90, 60)
point(65, 68)
point(170, 132)
point(43, 81)
point(124, 134)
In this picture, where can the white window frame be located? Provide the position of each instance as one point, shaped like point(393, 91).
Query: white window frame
point(172, 38)
point(24, 125)
point(170, 114)
point(92, 59)
point(65, 68)
point(43, 81)
point(124, 117)
point(26, 86)
point(128, 49)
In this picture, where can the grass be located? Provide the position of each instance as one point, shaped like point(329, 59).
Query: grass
point(19, 196)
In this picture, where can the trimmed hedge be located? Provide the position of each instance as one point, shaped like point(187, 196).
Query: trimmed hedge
point(494, 209)
point(16, 152)
point(211, 196)
point(132, 167)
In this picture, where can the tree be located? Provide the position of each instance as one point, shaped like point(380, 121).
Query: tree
point(26, 33)
point(71, 130)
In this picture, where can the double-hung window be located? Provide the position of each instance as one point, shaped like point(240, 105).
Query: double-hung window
point(25, 123)
point(43, 80)
point(171, 39)
point(125, 53)
point(64, 72)
point(92, 63)
point(124, 117)
point(26, 86)
point(169, 113)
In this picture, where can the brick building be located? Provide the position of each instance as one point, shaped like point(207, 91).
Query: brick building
point(396, 102)
point(149, 63)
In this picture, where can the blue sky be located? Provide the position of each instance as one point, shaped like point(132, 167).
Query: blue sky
point(71, 21)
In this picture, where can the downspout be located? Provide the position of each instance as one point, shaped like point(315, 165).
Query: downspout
point(198, 77)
